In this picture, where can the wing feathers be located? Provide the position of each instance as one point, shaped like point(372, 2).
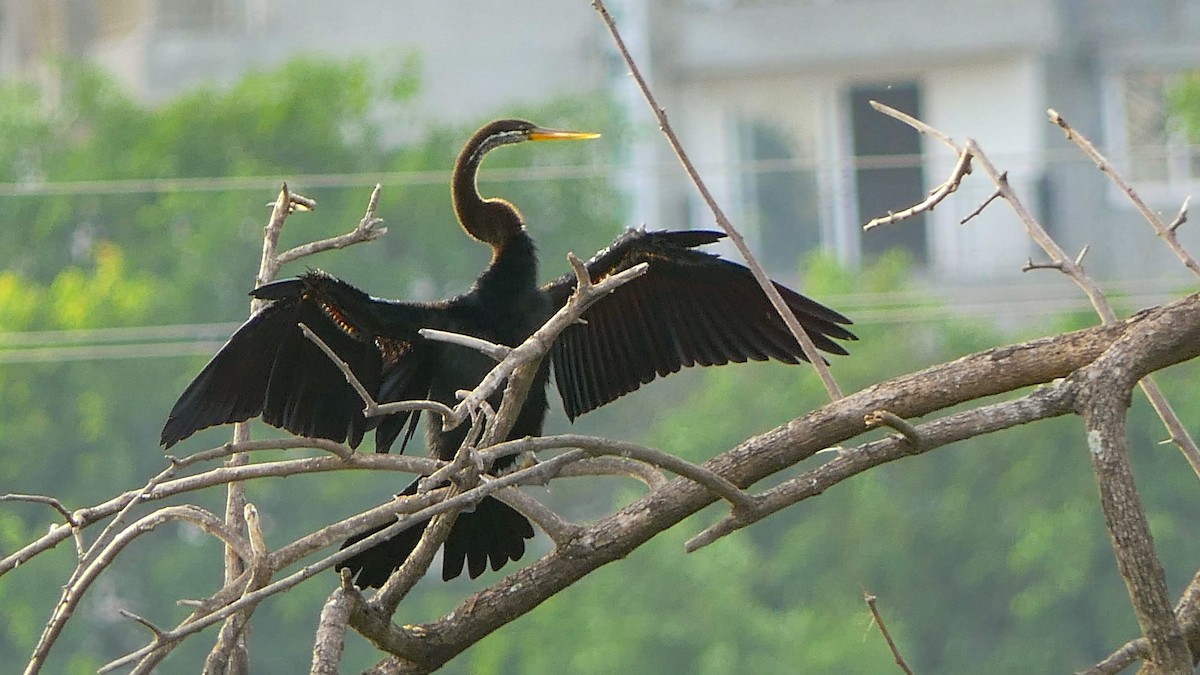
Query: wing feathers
point(691, 308)
point(269, 368)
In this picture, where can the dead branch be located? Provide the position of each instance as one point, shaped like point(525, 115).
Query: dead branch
point(1068, 266)
point(1163, 230)
point(1175, 328)
point(229, 652)
point(218, 476)
point(371, 407)
point(235, 501)
point(1049, 401)
point(74, 591)
point(596, 447)
point(1071, 267)
point(789, 318)
point(961, 169)
point(497, 352)
point(367, 230)
point(331, 628)
point(878, 619)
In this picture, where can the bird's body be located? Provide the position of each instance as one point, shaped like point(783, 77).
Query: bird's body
point(690, 308)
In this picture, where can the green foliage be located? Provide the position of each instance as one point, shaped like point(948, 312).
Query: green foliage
point(1183, 101)
point(988, 556)
point(79, 253)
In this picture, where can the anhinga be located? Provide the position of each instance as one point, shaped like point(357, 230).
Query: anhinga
point(690, 308)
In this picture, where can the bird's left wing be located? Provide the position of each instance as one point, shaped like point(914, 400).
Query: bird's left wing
point(690, 308)
point(270, 368)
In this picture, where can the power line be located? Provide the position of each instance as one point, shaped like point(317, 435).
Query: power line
point(140, 342)
point(122, 186)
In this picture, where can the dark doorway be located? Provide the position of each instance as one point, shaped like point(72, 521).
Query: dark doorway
point(888, 171)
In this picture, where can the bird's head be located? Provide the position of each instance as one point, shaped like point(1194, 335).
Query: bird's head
point(493, 221)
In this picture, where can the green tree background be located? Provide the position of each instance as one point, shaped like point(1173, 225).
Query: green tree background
point(989, 556)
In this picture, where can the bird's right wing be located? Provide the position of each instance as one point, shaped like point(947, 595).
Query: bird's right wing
point(270, 368)
point(689, 308)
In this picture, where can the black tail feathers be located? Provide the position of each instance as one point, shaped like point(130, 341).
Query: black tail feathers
point(492, 532)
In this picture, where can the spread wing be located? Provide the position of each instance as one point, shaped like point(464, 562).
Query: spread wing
point(269, 368)
point(690, 308)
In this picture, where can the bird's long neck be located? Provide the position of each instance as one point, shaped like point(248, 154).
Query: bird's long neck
point(468, 203)
point(492, 221)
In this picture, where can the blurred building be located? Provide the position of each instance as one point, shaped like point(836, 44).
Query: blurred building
point(769, 96)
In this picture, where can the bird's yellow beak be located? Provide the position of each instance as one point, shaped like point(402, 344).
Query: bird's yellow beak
point(540, 134)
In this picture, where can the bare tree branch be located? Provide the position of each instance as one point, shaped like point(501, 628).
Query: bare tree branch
point(331, 628)
point(1175, 327)
point(789, 318)
point(961, 169)
point(74, 591)
point(230, 653)
point(367, 230)
point(1179, 433)
point(1163, 230)
point(878, 619)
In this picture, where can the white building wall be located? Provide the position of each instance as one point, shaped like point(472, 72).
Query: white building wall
point(1000, 103)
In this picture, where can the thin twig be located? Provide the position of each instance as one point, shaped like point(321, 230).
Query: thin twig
point(917, 124)
point(495, 351)
point(76, 530)
point(1182, 217)
point(785, 312)
point(367, 230)
point(147, 624)
point(878, 619)
point(649, 475)
point(961, 169)
point(597, 446)
point(1163, 230)
point(41, 499)
point(371, 408)
point(559, 529)
point(979, 209)
point(893, 421)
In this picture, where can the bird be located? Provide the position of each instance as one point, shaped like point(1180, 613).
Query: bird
point(691, 307)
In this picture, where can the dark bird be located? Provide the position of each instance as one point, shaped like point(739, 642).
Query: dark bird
point(690, 308)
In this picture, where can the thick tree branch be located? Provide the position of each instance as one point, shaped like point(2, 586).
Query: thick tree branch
point(1073, 269)
point(74, 591)
point(331, 628)
point(427, 646)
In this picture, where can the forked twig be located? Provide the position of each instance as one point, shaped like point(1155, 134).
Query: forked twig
point(367, 230)
point(1163, 230)
point(961, 169)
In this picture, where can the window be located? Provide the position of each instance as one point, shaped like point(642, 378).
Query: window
point(1154, 124)
point(780, 197)
point(888, 171)
point(200, 16)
